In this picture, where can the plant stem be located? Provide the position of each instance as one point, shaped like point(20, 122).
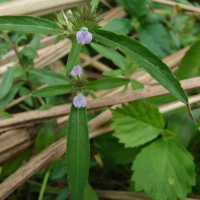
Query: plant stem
point(44, 184)
point(12, 45)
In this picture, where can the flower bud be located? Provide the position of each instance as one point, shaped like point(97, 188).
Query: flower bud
point(77, 71)
point(84, 36)
point(79, 101)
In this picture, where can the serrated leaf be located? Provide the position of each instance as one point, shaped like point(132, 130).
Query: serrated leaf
point(107, 83)
point(53, 91)
point(137, 123)
point(73, 56)
point(164, 170)
point(7, 81)
point(28, 24)
point(150, 62)
point(47, 76)
point(78, 157)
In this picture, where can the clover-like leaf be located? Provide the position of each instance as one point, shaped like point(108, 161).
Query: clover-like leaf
point(164, 170)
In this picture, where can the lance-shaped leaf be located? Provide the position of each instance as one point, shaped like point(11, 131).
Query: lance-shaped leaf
point(137, 123)
point(150, 62)
point(107, 83)
point(164, 170)
point(78, 157)
point(28, 24)
point(73, 56)
point(52, 91)
point(7, 81)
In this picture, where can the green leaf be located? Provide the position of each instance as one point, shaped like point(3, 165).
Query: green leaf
point(7, 81)
point(151, 35)
point(5, 115)
point(89, 193)
point(94, 4)
point(10, 96)
point(150, 62)
point(137, 8)
point(107, 83)
point(120, 26)
point(116, 72)
point(164, 170)
point(63, 194)
point(115, 57)
point(73, 56)
point(190, 64)
point(78, 152)
point(137, 123)
point(47, 76)
point(28, 24)
point(45, 136)
point(53, 91)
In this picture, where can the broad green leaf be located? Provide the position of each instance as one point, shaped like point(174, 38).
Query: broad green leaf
point(164, 170)
point(28, 24)
point(7, 81)
point(116, 72)
point(120, 26)
point(107, 83)
point(53, 91)
point(137, 123)
point(89, 193)
point(47, 76)
point(110, 54)
point(137, 8)
point(45, 136)
point(73, 56)
point(78, 152)
point(150, 62)
point(113, 151)
point(151, 35)
point(190, 64)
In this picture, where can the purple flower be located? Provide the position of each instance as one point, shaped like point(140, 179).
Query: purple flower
point(77, 71)
point(79, 101)
point(84, 36)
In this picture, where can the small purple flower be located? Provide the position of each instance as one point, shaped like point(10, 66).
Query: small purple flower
point(77, 71)
point(84, 36)
point(79, 101)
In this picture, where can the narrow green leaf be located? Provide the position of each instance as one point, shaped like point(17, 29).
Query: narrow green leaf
point(151, 63)
point(10, 96)
point(45, 136)
point(47, 76)
point(107, 83)
point(164, 170)
point(28, 24)
point(78, 159)
point(7, 81)
point(115, 57)
point(94, 4)
point(73, 56)
point(137, 123)
point(52, 91)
